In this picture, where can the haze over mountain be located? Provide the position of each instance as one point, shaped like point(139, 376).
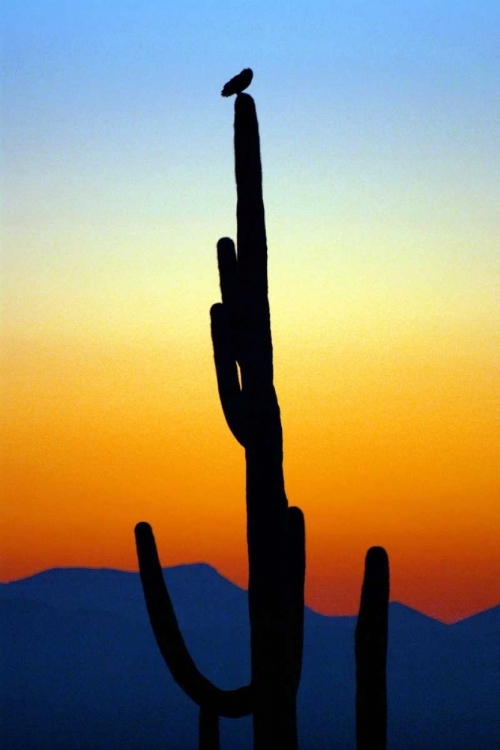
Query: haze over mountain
point(81, 668)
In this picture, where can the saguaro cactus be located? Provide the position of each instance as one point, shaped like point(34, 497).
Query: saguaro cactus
point(243, 354)
point(241, 335)
point(371, 653)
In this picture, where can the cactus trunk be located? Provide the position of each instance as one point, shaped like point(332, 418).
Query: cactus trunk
point(242, 341)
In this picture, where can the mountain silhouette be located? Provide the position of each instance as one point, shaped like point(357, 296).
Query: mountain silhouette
point(80, 661)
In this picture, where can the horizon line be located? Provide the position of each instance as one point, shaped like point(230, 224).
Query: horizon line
point(242, 588)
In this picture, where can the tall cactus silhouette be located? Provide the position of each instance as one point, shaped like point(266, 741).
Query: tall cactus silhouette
point(241, 334)
point(371, 653)
point(243, 354)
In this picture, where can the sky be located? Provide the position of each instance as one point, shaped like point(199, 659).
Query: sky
point(380, 141)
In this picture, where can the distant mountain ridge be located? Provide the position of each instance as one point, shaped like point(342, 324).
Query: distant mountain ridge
point(49, 586)
point(81, 668)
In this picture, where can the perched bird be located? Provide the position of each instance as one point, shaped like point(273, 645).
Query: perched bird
point(237, 84)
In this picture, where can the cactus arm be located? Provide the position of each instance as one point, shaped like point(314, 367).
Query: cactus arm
point(371, 653)
point(231, 703)
point(228, 275)
point(225, 319)
point(226, 369)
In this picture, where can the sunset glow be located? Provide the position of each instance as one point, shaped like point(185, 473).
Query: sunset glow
point(381, 182)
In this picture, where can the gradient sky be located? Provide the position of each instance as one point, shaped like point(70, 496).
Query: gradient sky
point(380, 145)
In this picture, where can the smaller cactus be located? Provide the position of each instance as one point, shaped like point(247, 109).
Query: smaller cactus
point(371, 653)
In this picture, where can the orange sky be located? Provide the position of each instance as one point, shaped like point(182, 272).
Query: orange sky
point(395, 447)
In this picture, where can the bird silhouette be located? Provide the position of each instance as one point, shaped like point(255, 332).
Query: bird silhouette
point(237, 84)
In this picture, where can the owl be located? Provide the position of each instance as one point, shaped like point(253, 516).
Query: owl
point(237, 84)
